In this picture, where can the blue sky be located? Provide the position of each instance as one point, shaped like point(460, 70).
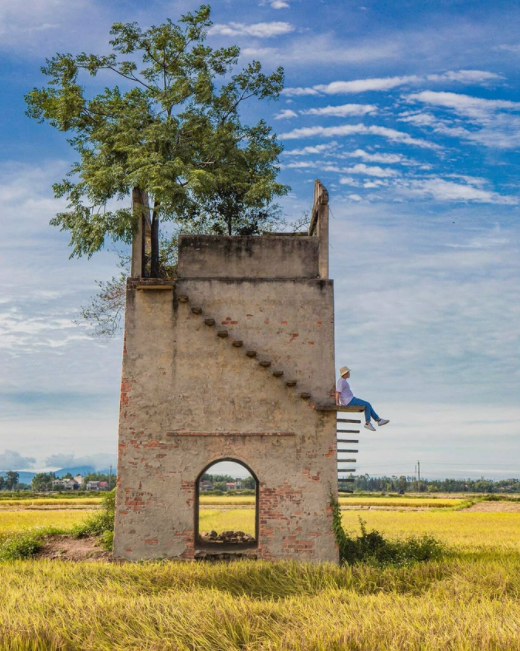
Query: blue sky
point(410, 114)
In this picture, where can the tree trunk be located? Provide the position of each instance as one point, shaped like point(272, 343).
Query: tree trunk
point(155, 270)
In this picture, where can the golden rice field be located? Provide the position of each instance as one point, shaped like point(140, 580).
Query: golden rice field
point(470, 601)
point(41, 501)
point(438, 503)
point(235, 519)
point(11, 521)
point(420, 502)
point(465, 529)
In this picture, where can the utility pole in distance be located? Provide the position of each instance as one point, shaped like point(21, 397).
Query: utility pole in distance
point(418, 476)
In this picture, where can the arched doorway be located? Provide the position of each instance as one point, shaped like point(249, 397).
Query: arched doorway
point(234, 526)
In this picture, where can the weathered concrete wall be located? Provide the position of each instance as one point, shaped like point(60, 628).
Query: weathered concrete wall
point(190, 398)
point(206, 256)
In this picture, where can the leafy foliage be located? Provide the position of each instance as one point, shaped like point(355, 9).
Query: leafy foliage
point(168, 130)
point(372, 546)
point(101, 521)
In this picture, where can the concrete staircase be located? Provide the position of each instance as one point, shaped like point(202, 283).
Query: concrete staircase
point(223, 333)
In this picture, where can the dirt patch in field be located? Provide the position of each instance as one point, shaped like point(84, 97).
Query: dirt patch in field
point(67, 548)
point(495, 507)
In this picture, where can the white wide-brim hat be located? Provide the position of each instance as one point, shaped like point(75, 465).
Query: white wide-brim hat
point(343, 370)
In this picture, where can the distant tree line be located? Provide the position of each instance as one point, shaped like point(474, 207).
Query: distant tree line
point(9, 482)
point(396, 484)
point(219, 481)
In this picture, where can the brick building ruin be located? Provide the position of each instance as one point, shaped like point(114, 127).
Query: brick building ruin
point(233, 360)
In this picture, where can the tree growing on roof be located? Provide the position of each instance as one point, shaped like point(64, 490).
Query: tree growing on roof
point(172, 132)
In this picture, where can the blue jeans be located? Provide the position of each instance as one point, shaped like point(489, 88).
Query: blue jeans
point(369, 410)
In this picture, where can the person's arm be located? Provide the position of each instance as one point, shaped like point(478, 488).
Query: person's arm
point(337, 397)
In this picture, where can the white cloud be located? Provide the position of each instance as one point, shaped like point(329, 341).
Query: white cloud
point(364, 85)
point(299, 92)
point(324, 49)
point(342, 111)
point(69, 460)
point(473, 107)
point(286, 114)
point(442, 190)
point(388, 83)
point(36, 27)
point(377, 158)
point(279, 4)
point(349, 180)
point(371, 170)
point(11, 460)
point(497, 127)
point(354, 129)
point(258, 30)
point(312, 149)
point(300, 165)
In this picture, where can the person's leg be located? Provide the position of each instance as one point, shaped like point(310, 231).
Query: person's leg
point(357, 402)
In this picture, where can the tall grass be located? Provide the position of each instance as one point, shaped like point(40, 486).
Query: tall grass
point(452, 605)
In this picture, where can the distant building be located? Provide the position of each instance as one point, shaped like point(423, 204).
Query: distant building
point(65, 484)
point(79, 479)
point(231, 485)
point(96, 486)
point(205, 485)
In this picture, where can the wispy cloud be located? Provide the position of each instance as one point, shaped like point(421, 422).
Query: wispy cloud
point(497, 127)
point(324, 49)
point(345, 110)
point(258, 30)
point(388, 83)
point(11, 460)
point(371, 170)
point(473, 107)
point(354, 129)
point(444, 190)
point(312, 149)
point(377, 157)
point(279, 4)
point(286, 114)
point(70, 460)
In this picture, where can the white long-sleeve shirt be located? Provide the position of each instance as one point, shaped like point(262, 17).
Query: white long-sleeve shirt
point(344, 390)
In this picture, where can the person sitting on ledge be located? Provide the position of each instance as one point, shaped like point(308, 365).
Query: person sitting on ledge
point(344, 396)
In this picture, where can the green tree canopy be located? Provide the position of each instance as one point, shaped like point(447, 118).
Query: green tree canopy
point(11, 479)
point(172, 128)
point(42, 481)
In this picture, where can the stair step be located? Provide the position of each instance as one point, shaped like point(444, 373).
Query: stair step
point(349, 451)
point(347, 480)
point(347, 431)
point(265, 364)
point(196, 310)
point(347, 420)
point(278, 373)
point(290, 383)
point(222, 333)
point(346, 470)
point(238, 344)
point(347, 460)
point(305, 396)
point(183, 299)
point(347, 440)
point(209, 322)
point(251, 353)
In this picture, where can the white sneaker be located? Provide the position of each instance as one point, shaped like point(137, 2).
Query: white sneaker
point(370, 427)
point(382, 421)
